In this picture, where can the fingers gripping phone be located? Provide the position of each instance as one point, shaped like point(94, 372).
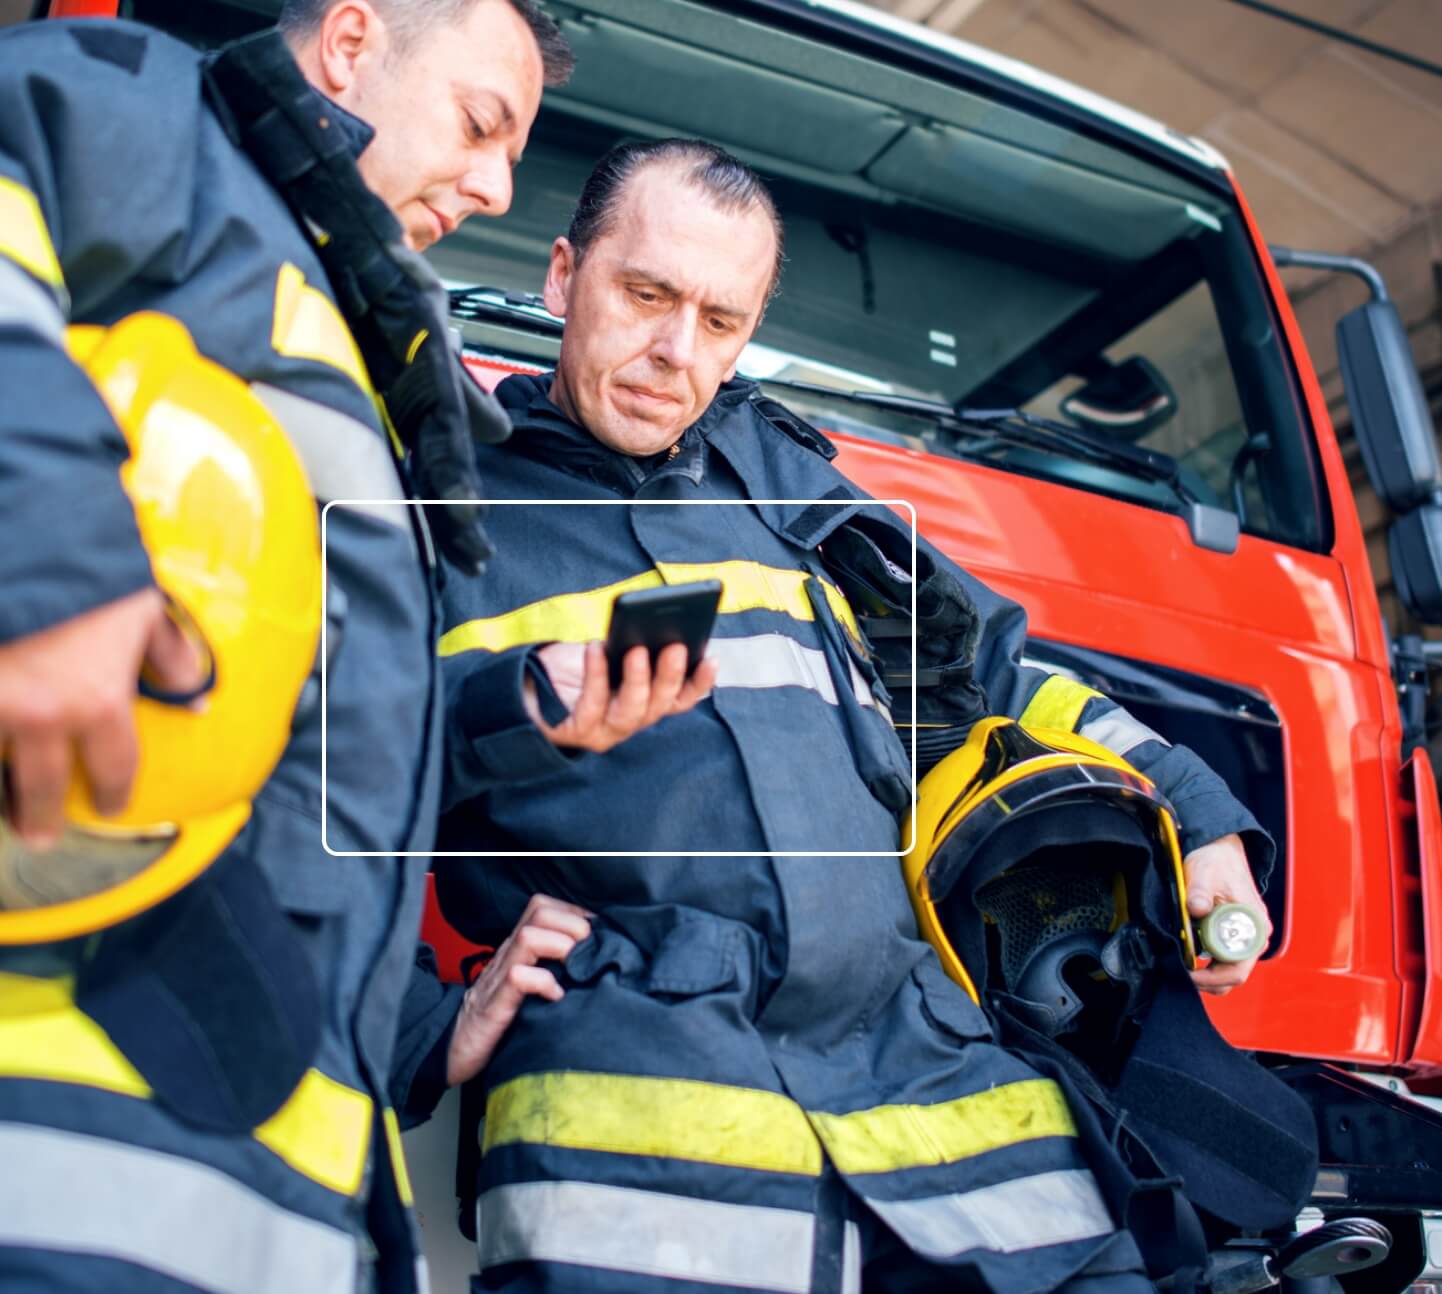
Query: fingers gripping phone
point(656, 618)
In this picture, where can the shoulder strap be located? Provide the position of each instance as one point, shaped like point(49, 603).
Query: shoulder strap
point(790, 424)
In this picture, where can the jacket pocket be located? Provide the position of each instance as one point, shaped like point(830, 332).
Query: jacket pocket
point(660, 952)
point(284, 839)
point(946, 1004)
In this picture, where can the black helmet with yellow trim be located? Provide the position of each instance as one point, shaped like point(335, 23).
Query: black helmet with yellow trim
point(228, 520)
point(1047, 873)
point(1043, 869)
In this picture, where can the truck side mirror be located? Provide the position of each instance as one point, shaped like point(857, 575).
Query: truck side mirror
point(1399, 448)
point(1394, 429)
point(1414, 546)
point(1389, 409)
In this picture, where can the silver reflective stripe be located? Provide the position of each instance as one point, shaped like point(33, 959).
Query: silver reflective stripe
point(344, 458)
point(647, 1233)
point(1028, 1213)
point(85, 1195)
point(851, 1260)
point(1118, 732)
point(774, 660)
point(23, 301)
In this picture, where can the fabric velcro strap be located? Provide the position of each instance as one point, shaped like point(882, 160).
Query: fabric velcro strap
point(799, 430)
point(897, 679)
point(1228, 1140)
point(211, 997)
point(879, 627)
point(811, 521)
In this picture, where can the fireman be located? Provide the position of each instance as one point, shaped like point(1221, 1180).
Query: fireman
point(749, 1048)
point(199, 1005)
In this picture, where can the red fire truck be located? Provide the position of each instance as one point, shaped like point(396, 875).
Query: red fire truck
point(1168, 499)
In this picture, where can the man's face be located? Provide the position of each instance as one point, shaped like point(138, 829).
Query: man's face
point(451, 112)
point(658, 310)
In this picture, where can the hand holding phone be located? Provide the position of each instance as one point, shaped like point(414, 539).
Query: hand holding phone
point(585, 676)
point(655, 618)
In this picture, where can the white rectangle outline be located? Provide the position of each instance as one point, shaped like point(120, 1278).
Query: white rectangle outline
point(601, 503)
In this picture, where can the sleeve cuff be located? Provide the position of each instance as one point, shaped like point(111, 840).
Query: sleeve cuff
point(423, 1041)
point(428, 1083)
point(493, 738)
point(1206, 808)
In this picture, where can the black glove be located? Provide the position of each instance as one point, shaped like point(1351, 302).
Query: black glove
point(948, 698)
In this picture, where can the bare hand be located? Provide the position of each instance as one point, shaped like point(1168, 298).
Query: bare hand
point(599, 720)
point(69, 690)
point(1219, 873)
point(548, 929)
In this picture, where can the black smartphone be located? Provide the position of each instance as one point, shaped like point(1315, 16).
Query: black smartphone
point(656, 618)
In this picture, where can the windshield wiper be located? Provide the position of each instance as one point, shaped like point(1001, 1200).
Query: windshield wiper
point(1013, 427)
point(1035, 432)
point(980, 431)
point(522, 310)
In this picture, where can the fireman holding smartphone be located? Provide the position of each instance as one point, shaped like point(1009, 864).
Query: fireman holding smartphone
point(748, 1047)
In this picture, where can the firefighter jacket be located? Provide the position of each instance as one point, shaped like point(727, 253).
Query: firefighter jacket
point(755, 1018)
point(120, 192)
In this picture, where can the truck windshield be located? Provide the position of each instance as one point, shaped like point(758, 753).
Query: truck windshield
point(1009, 324)
point(946, 244)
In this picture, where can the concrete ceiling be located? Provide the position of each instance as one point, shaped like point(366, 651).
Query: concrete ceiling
point(1337, 149)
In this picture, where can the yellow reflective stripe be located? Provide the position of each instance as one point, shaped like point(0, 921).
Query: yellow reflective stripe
point(585, 616)
point(323, 1132)
point(398, 1156)
point(710, 1123)
point(1057, 703)
point(569, 617)
point(24, 237)
point(892, 1138)
point(750, 586)
point(415, 345)
point(307, 325)
point(43, 1035)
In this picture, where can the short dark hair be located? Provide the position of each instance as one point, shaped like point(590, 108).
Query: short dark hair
point(730, 184)
point(300, 20)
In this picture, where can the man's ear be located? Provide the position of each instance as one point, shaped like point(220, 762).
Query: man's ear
point(560, 275)
point(352, 34)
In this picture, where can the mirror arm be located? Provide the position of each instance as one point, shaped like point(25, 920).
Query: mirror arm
point(1291, 256)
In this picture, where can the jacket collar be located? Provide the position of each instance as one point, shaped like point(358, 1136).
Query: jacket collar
point(356, 133)
point(772, 462)
point(541, 431)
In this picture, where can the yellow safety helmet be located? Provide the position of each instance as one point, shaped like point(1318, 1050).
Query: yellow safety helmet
point(1019, 806)
point(228, 519)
